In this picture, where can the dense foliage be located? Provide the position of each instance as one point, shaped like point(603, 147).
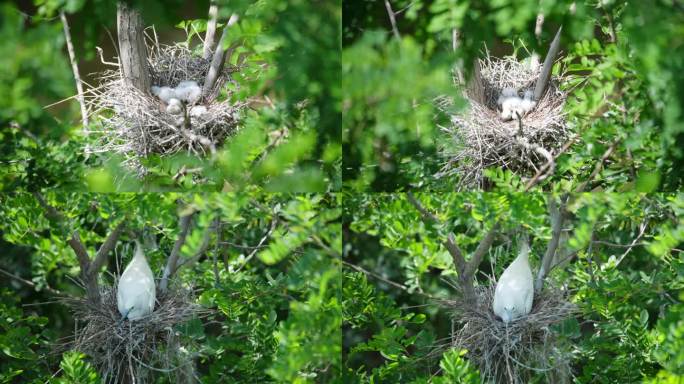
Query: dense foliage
point(270, 278)
point(621, 264)
point(618, 58)
point(290, 136)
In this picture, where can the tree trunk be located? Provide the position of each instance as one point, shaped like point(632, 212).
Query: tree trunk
point(132, 50)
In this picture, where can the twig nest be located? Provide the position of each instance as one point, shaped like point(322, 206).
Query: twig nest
point(504, 126)
point(173, 116)
point(516, 352)
point(141, 349)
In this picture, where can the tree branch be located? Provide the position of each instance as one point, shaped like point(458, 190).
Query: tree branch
point(545, 74)
point(556, 216)
point(598, 167)
point(466, 270)
point(393, 21)
point(30, 283)
point(106, 248)
point(206, 241)
point(481, 250)
point(89, 268)
point(175, 252)
point(74, 68)
point(218, 59)
point(274, 221)
point(210, 36)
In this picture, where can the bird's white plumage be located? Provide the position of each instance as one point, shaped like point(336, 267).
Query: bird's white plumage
point(515, 289)
point(136, 294)
point(174, 107)
point(188, 91)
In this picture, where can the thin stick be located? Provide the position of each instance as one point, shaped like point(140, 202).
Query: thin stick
point(393, 21)
point(30, 283)
point(74, 68)
point(598, 167)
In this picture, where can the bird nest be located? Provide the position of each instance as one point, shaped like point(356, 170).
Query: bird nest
point(137, 124)
point(528, 347)
point(134, 351)
point(480, 138)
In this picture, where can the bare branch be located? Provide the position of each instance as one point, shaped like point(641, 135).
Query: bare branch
point(456, 254)
point(51, 213)
point(450, 243)
point(545, 74)
point(81, 252)
point(218, 59)
point(635, 242)
point(556, 216)
point(210, 36)
point(258, 246)
point(106, 248)
point(481, 250)
point(30, 283)
point(427, 215)
point(206, 241)
point(89, 279)
point(466, 270)
point(74, 68)
point(598, 167)
point(393, 21)
point(175, 252)
point(543, 173)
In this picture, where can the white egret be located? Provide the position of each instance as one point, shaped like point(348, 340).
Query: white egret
point(515, 292)
point(136, 292)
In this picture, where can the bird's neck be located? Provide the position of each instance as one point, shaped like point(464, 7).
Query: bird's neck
point(524, 254)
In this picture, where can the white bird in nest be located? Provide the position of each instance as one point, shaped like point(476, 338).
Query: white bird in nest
point(512, 106)
point(174, 107)
point(514, 291)
point(136, 293)
point(188, 91)
point(164, 93)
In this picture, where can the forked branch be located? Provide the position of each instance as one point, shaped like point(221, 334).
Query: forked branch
point(89, 267)
point(466, 269)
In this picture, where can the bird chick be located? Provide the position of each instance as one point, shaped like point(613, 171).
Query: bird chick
point(174, 107)
point(198, 111)
point(188, 91)
point(509, 106)
point(166, 94)
point(506, 93)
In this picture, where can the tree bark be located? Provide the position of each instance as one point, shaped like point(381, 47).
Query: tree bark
point(132, 49)
point(545, 74)
point(172, 261)
point(210, 36)
point(218, 59)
